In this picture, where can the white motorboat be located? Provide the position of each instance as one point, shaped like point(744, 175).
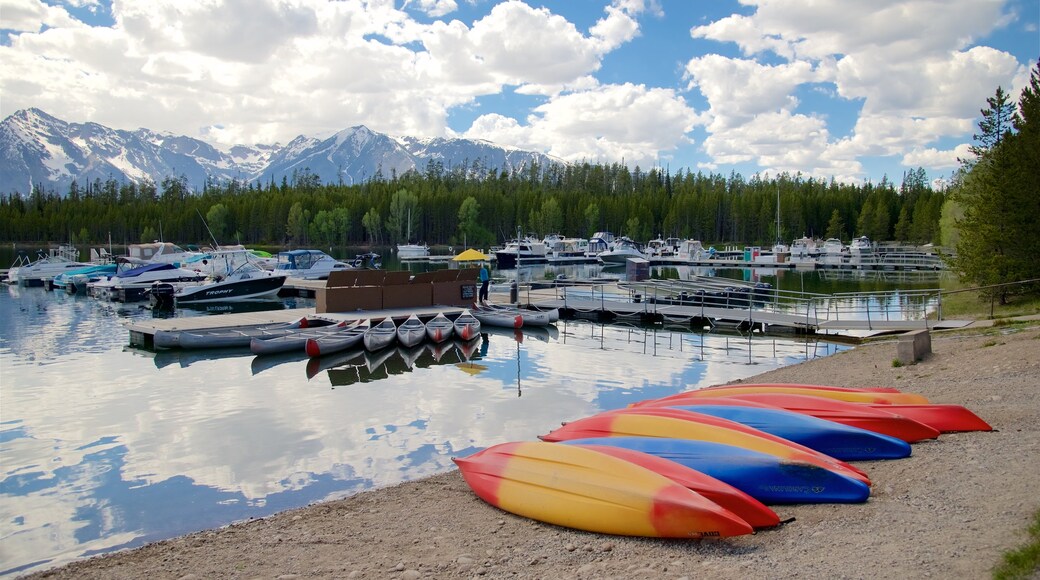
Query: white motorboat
point(623, 249)
point(439, 328)
point(237, 277)
point(308, 264)
point(563, 249)
point(410, 251)
point(381, 335)
point(519, 252)
point(599, 242)
point(165, 253)
point(411, 332)
point(803, 248)
point(132, 281)
point(56, 261)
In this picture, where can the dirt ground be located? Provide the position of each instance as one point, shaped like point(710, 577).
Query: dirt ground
point(948, 511)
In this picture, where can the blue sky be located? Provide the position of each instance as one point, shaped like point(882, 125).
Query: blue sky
point(842, 88)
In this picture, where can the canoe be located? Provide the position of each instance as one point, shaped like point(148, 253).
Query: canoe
point(439, 328)
point(466, 326)
point(380, 336)
point(877, 419)
point(943, 418)
point(871, 397)
point(765, 477)
point(293, 341)
point(585, 490)
point(346, 338)
point(497, 318)
point(226, 336)
point(834, 439)
point(529, 317)
point(411, 332)
point(698, 427)
point(740, 503)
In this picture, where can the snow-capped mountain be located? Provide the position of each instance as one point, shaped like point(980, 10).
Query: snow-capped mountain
point(39, 149)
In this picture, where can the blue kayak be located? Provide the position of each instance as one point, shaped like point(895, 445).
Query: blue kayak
point(767, 478)
point(837, 440)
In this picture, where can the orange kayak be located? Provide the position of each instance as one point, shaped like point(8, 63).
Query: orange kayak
point(850, 395)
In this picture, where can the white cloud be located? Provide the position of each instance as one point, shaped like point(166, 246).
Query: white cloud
point(611, 122)
point(937, 159)
point(33, 15)
point(436, 8)
point(909, 63)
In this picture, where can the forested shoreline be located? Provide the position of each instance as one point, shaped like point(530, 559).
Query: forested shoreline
point(481, 207)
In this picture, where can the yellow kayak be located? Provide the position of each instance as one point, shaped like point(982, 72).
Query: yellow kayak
point(586, 490)
point(838, 393)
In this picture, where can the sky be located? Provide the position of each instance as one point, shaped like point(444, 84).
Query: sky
point(843, 89)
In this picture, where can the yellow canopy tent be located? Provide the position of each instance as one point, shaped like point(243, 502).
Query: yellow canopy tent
point(470, 255)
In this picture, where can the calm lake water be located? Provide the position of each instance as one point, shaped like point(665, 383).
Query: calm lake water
point(106, 447)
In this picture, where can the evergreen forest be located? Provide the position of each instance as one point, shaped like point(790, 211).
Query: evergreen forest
point(468, 204)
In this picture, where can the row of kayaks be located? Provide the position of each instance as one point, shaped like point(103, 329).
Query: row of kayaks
point(708, 462)
point(319, 337)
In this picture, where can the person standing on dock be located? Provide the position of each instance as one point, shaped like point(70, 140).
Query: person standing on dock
point(485, 281)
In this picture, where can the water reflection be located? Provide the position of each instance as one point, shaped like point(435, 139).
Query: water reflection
point(106, 447)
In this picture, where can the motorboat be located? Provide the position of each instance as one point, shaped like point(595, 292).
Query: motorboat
point(380, 336)
point(528, 250)
point(439, 328)
point(369, 260)
point(345, 338)
point(409, 251)
point(562, 249)
point(47, 266)
point(599, 242)
point(239, 277)
point(165, 253)
point(411, 332)
point(308, 264)
point(132, 282)
point(75, 281)
point(693, 251)
point(659, 248)
point(467, 327)
point(623, 249)
point(803, 248)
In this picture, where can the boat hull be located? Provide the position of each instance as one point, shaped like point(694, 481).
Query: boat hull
point(582, 489)
point(765, 477)
point(849, 395)
point(248, 289)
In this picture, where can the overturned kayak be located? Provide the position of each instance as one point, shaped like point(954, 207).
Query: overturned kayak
point(943, 418)
point(670, 423)
point(765, 477)
point(743, 505)
point(582, 489)
point(852, 396)
point(834, 439)
point(882, 419)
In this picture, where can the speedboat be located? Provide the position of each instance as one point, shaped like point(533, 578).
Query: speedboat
point(76, 280)
point(406, 251)
point(47, 266)
point(370, 260)
point(163, 252)
point(308, 264)
point(518, 252)
point(623, 249)
point(239, 277)
point(131, 282)
point(599, 242)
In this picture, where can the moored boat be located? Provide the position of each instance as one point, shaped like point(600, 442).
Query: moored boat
point(439, 328)
point(228, 337)
point(850, 395)
point(292, 341)
point(411, 332)
point(380, 336)
point(344, 339)
point(466, 326)
point(236, 277)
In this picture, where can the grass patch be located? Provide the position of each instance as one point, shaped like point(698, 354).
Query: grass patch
point(989, 343)
point(973, 305)
point(896, 363)
point(1024, 561)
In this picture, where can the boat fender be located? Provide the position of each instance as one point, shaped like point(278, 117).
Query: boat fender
point(518, 321)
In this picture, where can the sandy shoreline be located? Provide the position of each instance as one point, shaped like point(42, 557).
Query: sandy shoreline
point(950, 510)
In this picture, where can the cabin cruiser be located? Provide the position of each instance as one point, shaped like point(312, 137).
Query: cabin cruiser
point(568, 249)
point(623, 249)
point(861, 249)
point(803, 249)
point(47, 266)
point(236, 276)
point(308, 264)
point(518, 252)
point(598, 243)
point(163, 252)
point(132, 281)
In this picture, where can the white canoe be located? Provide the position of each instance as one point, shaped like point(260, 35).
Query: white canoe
point(439, 329)
point(293, 341)
point(467, 327)
point(411, 332)
point(381, 335)
point(225, 337)
point(345, 338)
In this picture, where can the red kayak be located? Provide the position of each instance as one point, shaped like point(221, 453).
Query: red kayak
point(876, 418)
point(943, 418)
point(804, 386)
point(850, 395)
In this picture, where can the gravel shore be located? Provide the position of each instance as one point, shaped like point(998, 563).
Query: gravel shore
point(948, 511)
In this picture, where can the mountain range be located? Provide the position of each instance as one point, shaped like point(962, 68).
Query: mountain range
point(37, 149)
